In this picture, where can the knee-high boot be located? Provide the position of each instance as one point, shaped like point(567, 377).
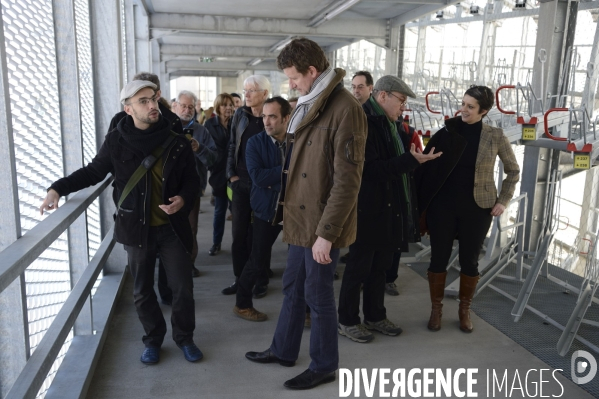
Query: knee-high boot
point(467, 290)
point(436, 285)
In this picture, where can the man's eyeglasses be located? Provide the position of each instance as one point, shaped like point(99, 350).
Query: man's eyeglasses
point(401, 102)
point(188, 107)
point(145, 101)
point(252, 91)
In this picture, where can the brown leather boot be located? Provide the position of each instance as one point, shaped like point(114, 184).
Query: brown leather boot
point(436, 285)
point(467, 289)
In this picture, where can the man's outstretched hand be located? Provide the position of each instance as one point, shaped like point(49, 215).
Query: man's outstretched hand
point(50, 202)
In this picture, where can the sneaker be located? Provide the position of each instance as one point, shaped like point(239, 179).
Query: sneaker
point(391, 289)
point(250, 314)
point(230, 290)
point(384, 326)
point(214, 250)
point(259, 291)
point(191, 352)
point(357, 333)
point(150, 355)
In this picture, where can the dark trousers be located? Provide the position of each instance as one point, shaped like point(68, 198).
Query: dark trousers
point(242, 225)
point(218, 223)
point(307, 282)
point(177, 265)
point(255, 270)
point(163, 289)
point(458, 216)
point(367, 266)
point(392, 272)
point(193, 221)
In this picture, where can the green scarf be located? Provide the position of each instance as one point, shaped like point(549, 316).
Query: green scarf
point(399, 150)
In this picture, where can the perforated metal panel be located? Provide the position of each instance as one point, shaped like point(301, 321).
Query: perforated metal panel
point(32, 78)
point(88, 117)
point(123, 41)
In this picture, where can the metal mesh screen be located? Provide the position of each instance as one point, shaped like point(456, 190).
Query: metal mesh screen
point(31, 59)
point(123, 42)
point(88, 117)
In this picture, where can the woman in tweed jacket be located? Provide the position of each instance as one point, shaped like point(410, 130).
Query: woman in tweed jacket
point(457, 196)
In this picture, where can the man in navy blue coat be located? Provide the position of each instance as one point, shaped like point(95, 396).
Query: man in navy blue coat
point(265, 155)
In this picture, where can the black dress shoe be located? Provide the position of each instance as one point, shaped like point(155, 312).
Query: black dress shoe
point(343, 258)
point(270, 273)
point(214, 250)
point(259, 291)
point(267, 357)
point(309, 379)
point(195, 272)
point(230, 290)
point(167, 301)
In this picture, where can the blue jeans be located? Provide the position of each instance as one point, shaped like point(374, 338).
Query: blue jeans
point(218, 223)
point(307, 282)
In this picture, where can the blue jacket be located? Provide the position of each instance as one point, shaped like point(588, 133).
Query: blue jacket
point(264, 163)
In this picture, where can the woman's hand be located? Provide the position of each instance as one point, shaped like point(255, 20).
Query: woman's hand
point(497, 209)
point(422, 158)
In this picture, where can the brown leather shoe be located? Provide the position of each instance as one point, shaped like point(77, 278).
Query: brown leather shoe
point(436, 284)
point(467, 290)
point(250, 314)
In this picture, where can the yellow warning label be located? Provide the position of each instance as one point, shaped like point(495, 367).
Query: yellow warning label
point(582, 161)
point(425, 140)
point(529, 132)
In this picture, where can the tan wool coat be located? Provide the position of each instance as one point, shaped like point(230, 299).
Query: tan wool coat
point(325, 170)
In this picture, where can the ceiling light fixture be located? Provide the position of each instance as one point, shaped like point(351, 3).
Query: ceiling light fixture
point(278, 46)
point(331, 12)
point(254, 61)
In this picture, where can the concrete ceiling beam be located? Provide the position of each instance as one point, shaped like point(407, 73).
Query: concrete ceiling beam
point(336, 28)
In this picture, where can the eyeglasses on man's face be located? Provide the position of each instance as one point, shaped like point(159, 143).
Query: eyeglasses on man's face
point(186, 107)
point(402, 103)
point(145, 101)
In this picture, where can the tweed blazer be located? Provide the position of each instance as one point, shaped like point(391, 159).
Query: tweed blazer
point(431, 176)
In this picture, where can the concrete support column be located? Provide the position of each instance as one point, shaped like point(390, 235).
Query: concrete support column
point(551, 37)
point(419, 61)
point(72, 140)
point(108, 80)
point(130, 40)
point(401, 50)
point(392, 57)
point(143, 61)
point(14, 331)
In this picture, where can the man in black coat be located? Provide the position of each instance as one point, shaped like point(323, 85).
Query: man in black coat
point(153, 217)
point(175, 125)
point(386, 213)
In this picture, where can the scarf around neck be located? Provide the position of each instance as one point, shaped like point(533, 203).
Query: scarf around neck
point(304, 103)
point(397, 144)
point(144, 140)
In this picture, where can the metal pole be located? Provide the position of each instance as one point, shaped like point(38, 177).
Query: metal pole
point(14, 330)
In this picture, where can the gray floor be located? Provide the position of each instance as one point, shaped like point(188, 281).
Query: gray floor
point(224, 338)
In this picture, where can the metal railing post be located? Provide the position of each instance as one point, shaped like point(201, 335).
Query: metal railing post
point(14, 331)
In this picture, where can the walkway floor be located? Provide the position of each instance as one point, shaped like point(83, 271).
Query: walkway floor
point(225, 373)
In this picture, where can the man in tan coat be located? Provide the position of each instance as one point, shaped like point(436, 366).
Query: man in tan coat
point(320, 183)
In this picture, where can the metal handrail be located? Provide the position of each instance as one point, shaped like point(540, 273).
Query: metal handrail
point(20, 254)
point(24, 251)
point(39, 364)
